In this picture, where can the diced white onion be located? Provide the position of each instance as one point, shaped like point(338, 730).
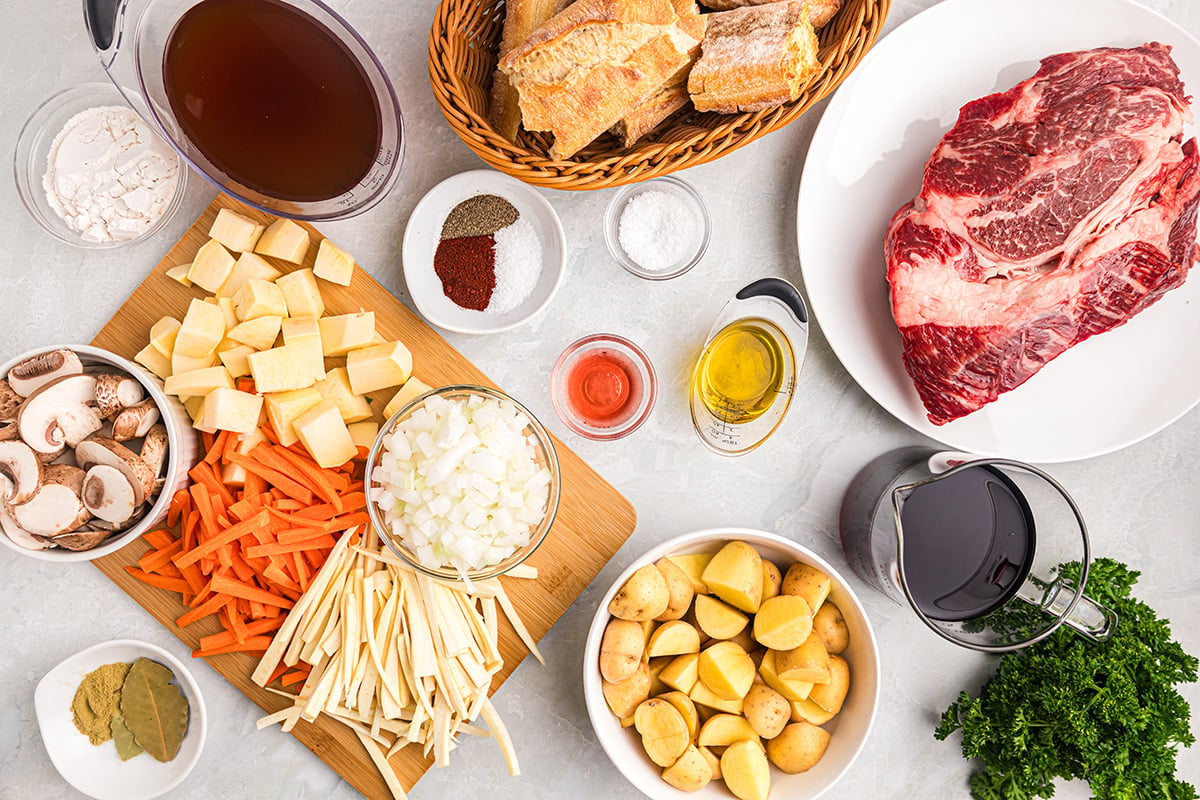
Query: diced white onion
point(458, 482)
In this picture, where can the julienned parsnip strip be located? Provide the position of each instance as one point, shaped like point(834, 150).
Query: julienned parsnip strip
point(398, 657)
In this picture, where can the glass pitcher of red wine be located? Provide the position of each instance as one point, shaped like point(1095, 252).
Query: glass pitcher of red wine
point(976, 546)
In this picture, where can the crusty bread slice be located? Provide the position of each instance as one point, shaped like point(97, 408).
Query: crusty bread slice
point(754, 57)
point(819, 11)
point(587, 66)
point(672, 95)
point(521, 18)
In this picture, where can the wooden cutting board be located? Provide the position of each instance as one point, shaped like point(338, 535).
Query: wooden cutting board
point(593, 520)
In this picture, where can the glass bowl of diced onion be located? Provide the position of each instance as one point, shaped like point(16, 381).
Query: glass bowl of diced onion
point(463, 483)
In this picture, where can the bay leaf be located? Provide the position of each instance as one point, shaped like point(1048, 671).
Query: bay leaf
point(127, 748)
point(155, 711)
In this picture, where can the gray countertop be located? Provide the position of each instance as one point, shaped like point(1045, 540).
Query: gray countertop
point(1142, 503)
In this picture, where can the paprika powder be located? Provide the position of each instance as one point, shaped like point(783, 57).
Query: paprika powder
point(466, 266)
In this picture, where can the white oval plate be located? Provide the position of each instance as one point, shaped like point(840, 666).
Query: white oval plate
point(866, 160)
point(421, 241)
point(96, 770)
point(849, 730)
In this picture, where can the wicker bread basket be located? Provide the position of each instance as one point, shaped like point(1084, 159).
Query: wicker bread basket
point(462, 60)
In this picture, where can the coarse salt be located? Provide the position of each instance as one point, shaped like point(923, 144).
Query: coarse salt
point(518, 266)
point(108, 175)
point(658, 230)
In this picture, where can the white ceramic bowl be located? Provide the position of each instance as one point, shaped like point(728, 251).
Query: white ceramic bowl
point(849, 729)
point(424, 230)
point(33, 150)
point(183, 451)
point(97, 771)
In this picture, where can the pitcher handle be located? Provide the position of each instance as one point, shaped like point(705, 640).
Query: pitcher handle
point(103, 18)
point(781, 290)
point(1088, 617)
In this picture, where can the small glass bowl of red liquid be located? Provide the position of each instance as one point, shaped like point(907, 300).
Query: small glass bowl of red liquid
point(603, 387)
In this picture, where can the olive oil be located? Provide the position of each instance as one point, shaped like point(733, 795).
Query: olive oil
point(740, 373)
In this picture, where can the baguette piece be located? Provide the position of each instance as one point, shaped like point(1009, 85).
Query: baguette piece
point(819, 11)
point(672, 95)
point(754, 58)
point(521, 18)
point(590, 64)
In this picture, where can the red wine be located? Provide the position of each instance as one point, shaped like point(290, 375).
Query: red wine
point(272, 98)
point(968, 543)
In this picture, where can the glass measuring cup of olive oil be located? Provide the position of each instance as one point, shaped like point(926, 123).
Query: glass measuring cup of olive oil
point(746, 374)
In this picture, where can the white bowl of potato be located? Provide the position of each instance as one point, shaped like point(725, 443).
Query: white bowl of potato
point(688, 701)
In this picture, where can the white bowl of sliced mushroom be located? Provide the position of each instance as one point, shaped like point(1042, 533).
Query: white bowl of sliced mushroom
point(91, 452)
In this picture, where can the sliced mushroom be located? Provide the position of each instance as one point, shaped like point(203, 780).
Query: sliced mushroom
point(81, 540)
point(116, 392)
point(22, 538)
point(8, 430)
point(59, 413)
point(21, 472)
point(108, 494)
point(97, 524)
point(154, 449)
point(57, 507)
point(103, 450)
point(34, 372)
point(10, 402)
point(70, 476)
point(134, 421)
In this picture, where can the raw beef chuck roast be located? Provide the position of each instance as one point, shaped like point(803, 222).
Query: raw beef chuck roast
point(1049, 213)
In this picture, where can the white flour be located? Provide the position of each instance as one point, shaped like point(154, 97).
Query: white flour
point(109, 176)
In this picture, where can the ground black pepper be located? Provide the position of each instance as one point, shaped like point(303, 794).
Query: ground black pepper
point(481, 215)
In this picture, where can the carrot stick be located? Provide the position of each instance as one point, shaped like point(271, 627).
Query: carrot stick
point(158, 581)
point(205, 473)
point(324, 482)
point(159, 539)
point(225, 585)
point(179, 501)
point(233, 623)
point(155, 559)
point(324, 541)
point(208, 521)
point(255, 644)
point(296, 521)
point(295, 676)
point(210, 606)
point(277, 479)
point(219, 539)
point(213, 455)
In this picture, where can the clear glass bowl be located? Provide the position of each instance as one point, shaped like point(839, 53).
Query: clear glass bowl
point(545, 456)
point(30, 160)
point(673, 186)
point(643, 386)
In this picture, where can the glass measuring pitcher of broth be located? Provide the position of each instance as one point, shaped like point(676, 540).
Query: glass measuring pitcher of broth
point(746, 374)
point(279, 103)
point(974, 545)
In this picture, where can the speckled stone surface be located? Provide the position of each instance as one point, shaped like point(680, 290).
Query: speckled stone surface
point(1143, 503)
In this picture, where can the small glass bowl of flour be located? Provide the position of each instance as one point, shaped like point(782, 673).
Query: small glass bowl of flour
point(657, 229)
point(93, 173)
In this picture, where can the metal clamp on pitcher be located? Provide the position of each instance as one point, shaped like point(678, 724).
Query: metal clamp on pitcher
point(974, 545)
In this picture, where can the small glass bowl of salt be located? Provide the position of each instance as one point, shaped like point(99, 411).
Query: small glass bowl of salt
point(94, 174)
point(657, 229)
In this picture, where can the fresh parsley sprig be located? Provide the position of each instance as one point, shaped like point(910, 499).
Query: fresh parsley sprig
point(1067, 707)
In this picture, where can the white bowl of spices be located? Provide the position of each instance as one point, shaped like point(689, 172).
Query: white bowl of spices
point(483, 252)
point(93, 173)
point(657, 229)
